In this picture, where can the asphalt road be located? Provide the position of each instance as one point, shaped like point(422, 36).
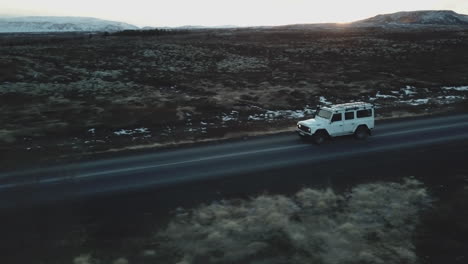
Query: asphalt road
point(114, 203)
point(221, 161)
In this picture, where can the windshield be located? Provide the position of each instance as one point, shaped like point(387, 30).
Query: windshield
point(324, 114)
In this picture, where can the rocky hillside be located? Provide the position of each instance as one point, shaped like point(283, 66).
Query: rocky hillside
point(60, 24)
point(432, 17)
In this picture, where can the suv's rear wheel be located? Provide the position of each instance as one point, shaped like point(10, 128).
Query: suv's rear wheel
point(361, 132)
point(319, 137)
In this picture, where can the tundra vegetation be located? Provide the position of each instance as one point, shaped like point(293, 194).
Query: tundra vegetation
point(71, 94)
point(373, 223)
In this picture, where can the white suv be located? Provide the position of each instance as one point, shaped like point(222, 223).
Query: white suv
point(338, 120)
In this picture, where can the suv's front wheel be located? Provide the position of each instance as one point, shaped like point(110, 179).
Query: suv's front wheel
point(319, 137)
point(362, 132)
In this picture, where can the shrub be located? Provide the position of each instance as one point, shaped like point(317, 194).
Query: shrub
point(372, 223)
point(84, 259)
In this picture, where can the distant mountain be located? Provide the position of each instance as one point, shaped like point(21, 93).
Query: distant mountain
point(60, 24)
point(202, 27)
point(429, 17)
point(189, 27)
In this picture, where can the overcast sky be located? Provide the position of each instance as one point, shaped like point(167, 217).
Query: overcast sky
point(224, 12)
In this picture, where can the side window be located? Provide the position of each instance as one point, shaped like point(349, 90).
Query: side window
point(349, 115)
point(336, 117)
point(364, 113)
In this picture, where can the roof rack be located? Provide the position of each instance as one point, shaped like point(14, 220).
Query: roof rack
point(348, 106)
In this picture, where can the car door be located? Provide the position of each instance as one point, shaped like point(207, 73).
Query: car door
point(349, 122)
point(336, 126)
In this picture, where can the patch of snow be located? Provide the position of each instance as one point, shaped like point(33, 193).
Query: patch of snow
point(128, 132)
point(196, 129)
point(123, 132)
point(451, 97)
point(447, 99)
point(409, 90)
point(456, 88)
point(141, 130)
point(35, 147)
point(227, 118)
point(233, 116)
point(323, 100)
point(415, 102)
point(282, 114)
point(256, 117)
point(378, 95)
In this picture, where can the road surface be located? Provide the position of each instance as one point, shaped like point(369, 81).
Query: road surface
point(219, 161)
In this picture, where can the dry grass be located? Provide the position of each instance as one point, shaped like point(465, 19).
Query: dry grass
point(373, 223)
point(89, 259)
point(84, 259)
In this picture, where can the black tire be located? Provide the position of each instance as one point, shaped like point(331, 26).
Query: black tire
point(319, 137)
point(361, 133)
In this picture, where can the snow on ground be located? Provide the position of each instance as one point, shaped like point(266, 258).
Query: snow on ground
point(415, 102)
point(456, 88)
point(448, 99)
point(409, 90)
point(323, 100)
point(129, 132)
point(282, 114)
point(378, 95)
point(233, 116)
point(196, 129)
point(451, 97)
point(408, 94)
